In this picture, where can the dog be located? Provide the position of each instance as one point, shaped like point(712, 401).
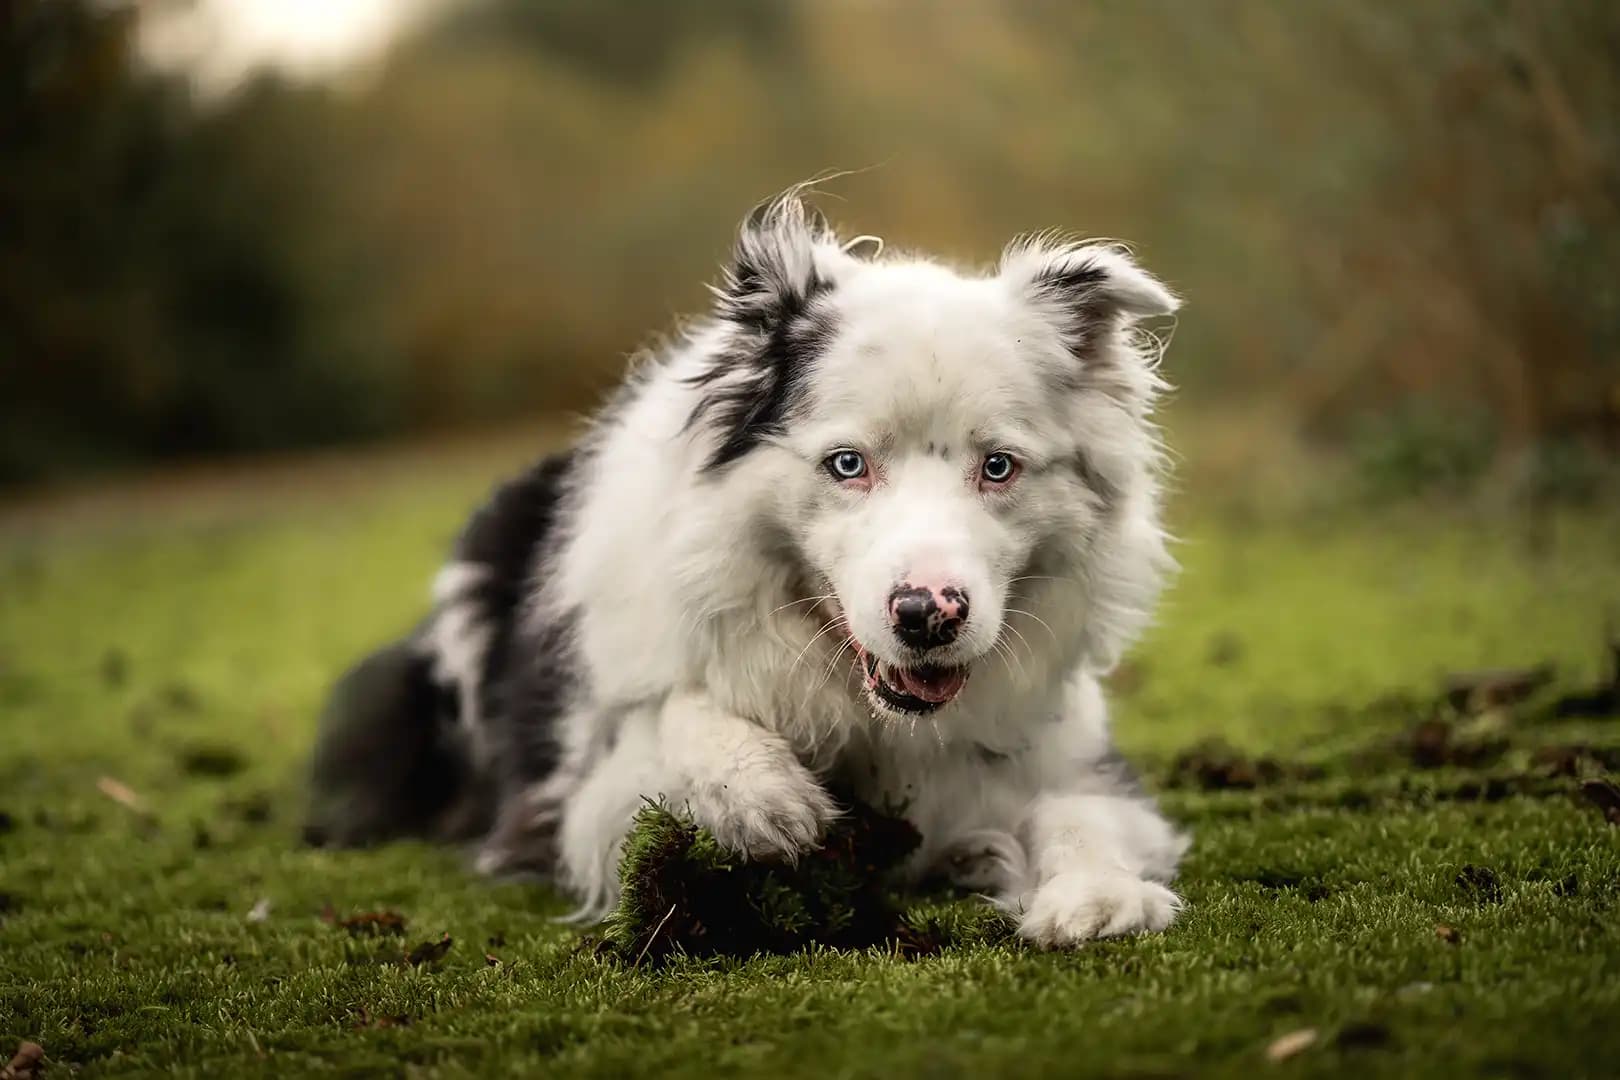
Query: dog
point(874, 524)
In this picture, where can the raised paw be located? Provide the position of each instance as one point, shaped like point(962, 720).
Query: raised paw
point(773, 814)
point(1082, 905)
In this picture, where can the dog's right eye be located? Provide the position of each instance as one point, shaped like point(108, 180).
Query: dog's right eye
point(845, 464)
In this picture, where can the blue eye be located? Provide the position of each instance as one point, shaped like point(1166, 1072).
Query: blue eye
point(998, 467)
point(846, 464)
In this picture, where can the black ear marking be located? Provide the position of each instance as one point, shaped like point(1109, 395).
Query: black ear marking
point(1072, 283)
point(771, 295)
point(776, 263)
point(1093, 286)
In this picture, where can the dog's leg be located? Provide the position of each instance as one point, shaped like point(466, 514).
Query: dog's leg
point(1100, 866)
point(740, 781)
point(598, 814)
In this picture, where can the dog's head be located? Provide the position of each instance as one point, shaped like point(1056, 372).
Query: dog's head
point(964, 461)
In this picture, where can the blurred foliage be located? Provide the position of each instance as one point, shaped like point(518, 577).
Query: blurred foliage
point(1371, 208)
point(1420, 447)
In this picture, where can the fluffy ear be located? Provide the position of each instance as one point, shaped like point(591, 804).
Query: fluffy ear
point(1093, 285)
point(785, 255)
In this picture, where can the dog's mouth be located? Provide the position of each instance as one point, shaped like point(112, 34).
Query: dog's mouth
point(913, 690)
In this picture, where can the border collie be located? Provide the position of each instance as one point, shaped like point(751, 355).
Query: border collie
point(875, 524)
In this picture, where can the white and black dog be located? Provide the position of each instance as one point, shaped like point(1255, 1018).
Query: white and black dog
point(875, 524)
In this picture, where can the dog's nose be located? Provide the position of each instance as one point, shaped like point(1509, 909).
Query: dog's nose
point(927, 616)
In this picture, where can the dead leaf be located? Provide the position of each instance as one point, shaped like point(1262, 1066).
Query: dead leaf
point(429, 952)
point(1286, 1046)
point(1481, 882)
point(145, 819)
point(1448, 934)
point(124, 795)
point(25, 1063)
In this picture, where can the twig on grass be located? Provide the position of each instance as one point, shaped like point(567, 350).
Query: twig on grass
point(652, 937)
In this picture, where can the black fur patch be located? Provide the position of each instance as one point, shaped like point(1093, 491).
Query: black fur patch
point(388, 761)
point(395, 757)
point(1077, 290)
point(1075, 287)
point(528, 674)
point(505, 537)
point(750, 390)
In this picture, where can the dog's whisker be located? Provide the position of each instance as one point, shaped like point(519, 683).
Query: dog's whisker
point(1030, 614)
point(826, 673)
point(1027, 647)
point(1005, 652)
point(801, 600)
point(1042, 577)
point(830, 624)
point(1010, 655)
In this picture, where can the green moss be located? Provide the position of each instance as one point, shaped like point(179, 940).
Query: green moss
point(131, 638)
point(682, 893)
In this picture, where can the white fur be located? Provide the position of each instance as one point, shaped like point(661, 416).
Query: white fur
point(457, 638)
point(710, 683)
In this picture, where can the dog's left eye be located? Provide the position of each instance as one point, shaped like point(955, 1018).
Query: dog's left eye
point(998, 468)
point(846, 464)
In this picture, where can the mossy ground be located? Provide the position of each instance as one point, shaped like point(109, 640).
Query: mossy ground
point(178, 641)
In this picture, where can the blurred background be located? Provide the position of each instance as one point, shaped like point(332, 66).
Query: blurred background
point(231, 227)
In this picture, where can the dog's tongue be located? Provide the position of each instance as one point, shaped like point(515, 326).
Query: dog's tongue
point(933, 685)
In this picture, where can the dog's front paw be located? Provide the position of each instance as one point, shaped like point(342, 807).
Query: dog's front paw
point(774, 814)
point(1082, 905)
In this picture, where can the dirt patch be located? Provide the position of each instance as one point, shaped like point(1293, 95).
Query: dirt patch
point(1480, 883)
point(1214, 765)
point(1364, 1035)
point(210, 760)
point(1601, 700)
point(1605, 795)
point(1435, 744)
point(1473, 692)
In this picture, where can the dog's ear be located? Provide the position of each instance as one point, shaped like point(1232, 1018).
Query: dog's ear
point(786, 254)
point(1092, 287)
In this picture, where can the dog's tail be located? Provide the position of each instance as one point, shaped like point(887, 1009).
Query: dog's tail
point(390, 760)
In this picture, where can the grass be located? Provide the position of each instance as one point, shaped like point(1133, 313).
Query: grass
point(178, 639)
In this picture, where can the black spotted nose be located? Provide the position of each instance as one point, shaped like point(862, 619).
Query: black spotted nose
point(927, 616)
